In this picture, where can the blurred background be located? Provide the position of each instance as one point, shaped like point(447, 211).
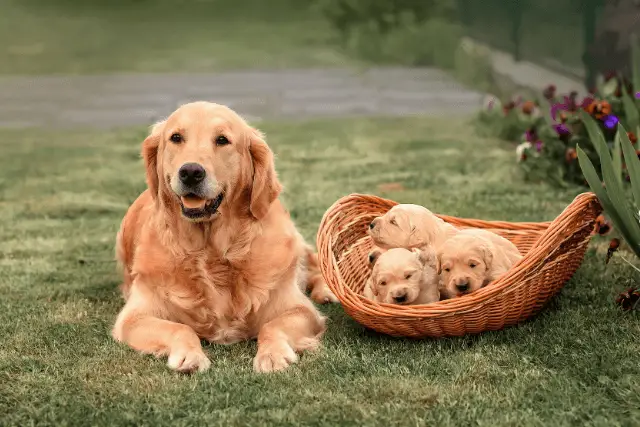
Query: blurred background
point(481, 43)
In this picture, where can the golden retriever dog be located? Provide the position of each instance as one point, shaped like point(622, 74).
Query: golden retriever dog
point(209, 252)
point(409, 226)
point(471, 259)
point(401, 276)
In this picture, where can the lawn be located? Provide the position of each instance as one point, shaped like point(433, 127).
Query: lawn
point(101, 36)
point(63, 194)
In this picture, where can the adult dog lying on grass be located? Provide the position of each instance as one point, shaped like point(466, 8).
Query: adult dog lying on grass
point(208, 251)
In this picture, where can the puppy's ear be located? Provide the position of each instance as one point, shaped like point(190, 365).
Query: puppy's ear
point(487, 256)
point(438, 259)
point(412, 226)
point(426, 256)
point(265, 187)
point(373, 257)
point(150, 156)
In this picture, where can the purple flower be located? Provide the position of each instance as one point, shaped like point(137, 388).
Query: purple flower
point(637, 95)
point(538, 146)
point(569, 104)
point(561, 129)
point(610, 121)
point(530, 135)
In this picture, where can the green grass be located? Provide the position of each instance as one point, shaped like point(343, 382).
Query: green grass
point(62, 195)
point(100, 36)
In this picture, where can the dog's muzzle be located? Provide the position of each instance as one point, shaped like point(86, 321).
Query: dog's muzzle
point(195, 192)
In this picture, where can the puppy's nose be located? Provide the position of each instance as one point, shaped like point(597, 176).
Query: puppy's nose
point(191, 174)
point(400, 298)
point(463, 286)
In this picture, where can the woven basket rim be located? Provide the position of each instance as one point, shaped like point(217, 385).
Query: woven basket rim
point(507, 283)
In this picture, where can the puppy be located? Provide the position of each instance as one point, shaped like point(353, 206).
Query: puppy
point(401, 276)
point(409, 226)
point(472, 259)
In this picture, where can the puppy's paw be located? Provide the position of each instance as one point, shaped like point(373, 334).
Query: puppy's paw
point(188, 360)
point(323, 295)
point(272, 358)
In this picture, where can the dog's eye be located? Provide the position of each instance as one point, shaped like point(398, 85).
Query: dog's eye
point(408, 276)
point(393, 222)
point(383, 283)
point(447, 270)
point(222, 140)
point(472, 265)
point(176, 138)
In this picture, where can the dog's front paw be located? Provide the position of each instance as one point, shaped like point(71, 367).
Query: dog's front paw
point(323, 295)
point(274, 358)
point(188, 360)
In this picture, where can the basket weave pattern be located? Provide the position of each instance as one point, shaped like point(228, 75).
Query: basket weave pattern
point(552, 251)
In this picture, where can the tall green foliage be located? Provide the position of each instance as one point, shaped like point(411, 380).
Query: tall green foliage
point(621, 208)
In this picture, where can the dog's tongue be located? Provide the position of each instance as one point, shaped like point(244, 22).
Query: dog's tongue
point(191, 202)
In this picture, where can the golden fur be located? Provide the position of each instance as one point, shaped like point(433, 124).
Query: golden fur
point(472, 259)
point(195, 268)
point(401, 276)
point(409, 226)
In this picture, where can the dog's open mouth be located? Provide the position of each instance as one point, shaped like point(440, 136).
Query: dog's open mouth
point(195, 207)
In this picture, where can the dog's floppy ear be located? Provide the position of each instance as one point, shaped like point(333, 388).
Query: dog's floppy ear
point(487, 256)
point(373, 257)
point(438, 260)
point(426, 256)
point(265, 187)
point(150, 156)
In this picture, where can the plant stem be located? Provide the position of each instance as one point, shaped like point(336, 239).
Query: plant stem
point(629, 262)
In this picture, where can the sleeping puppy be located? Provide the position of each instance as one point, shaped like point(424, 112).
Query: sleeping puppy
point(401, 276)
point(472, 259)
point(409, 226)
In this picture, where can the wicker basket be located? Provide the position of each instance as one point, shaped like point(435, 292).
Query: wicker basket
point(553, 252)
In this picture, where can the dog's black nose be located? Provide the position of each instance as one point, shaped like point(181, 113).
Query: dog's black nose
point(371, 225)
point(463, 287)
point(400, 298)
point(191, 174)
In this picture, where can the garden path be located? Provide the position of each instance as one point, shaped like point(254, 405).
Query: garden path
point(108, 101)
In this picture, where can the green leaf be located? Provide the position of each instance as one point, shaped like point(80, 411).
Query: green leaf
point(609, 88)
point(635, 62)
point(595, 133)
point(617, 197)
point(632, 162)
point(617, 158)
point(593, 180)
point(600, 86)
point(630, 110)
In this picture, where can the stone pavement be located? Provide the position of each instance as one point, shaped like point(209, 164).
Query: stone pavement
point(108, 101)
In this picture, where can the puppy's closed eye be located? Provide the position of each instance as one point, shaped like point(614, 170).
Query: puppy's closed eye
point(393, 222)
point(473, 265)
point(408, 276)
